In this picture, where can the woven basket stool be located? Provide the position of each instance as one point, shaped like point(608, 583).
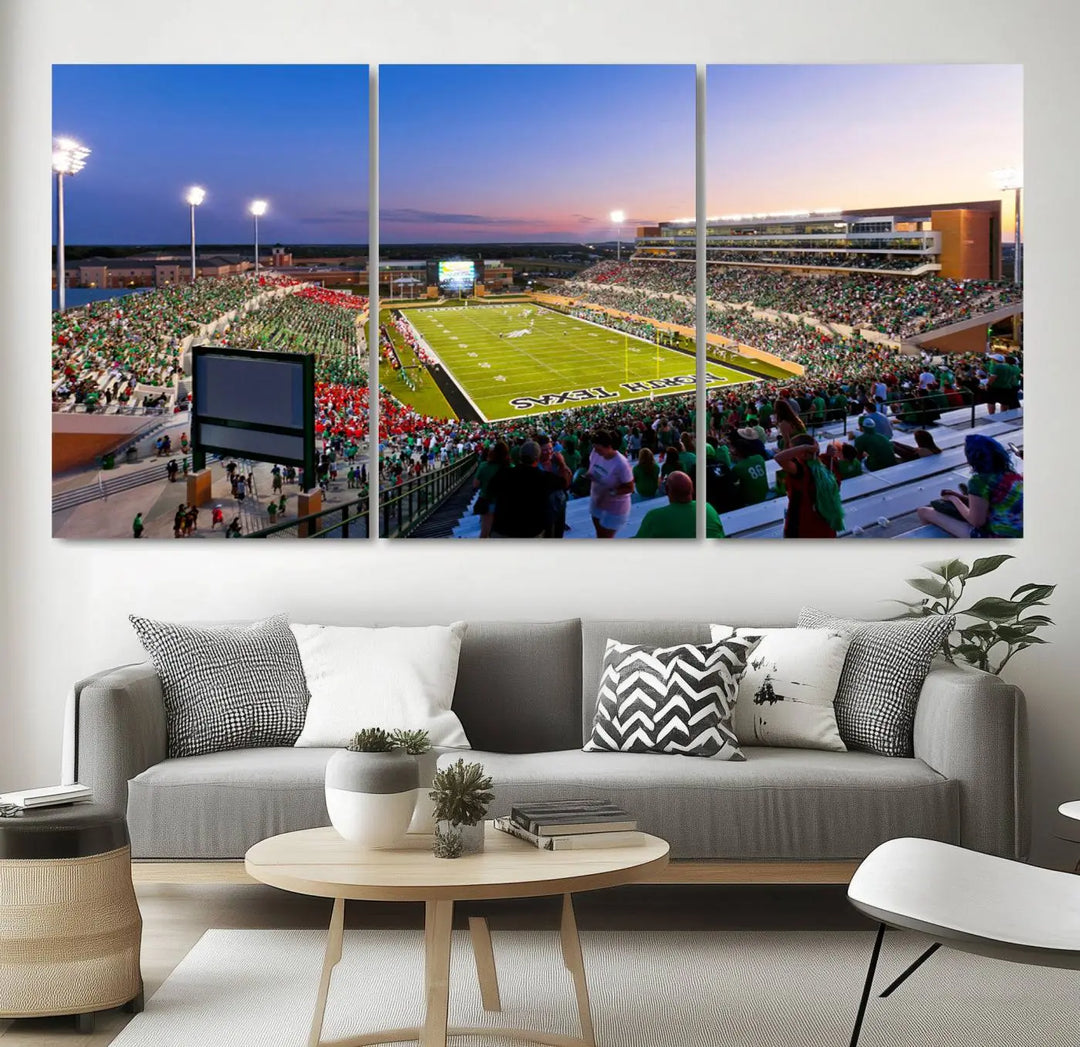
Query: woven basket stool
point(70, 926)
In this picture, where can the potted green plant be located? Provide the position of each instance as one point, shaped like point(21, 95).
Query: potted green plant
point(371, 789)
point(461, 794)
point(418, 745)
point(1002, 626)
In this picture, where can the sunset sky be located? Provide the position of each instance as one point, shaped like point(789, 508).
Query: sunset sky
point(295, 136)
point(812, 137)
point(485, 153)
point(476, 153)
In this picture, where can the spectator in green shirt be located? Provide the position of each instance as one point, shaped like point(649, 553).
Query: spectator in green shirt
point(752, 482)
point(871, 445)
point(678, 519)
point(847, 465)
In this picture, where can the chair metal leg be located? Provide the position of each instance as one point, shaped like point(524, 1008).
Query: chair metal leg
point(868, 986)
point(912, 969)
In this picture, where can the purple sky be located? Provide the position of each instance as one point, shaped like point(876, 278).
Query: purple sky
point(294, 135)
point(481, 153)
point(812, 137)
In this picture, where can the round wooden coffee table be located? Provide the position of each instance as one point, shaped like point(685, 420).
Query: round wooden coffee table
point(319, 862)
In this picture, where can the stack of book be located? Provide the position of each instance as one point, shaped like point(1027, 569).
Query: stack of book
point(564, 825)
point(51, 796)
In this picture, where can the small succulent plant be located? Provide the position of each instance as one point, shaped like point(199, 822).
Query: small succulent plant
point(415, 743)
point(448, 842)
point(461, 793)
point(371, 740)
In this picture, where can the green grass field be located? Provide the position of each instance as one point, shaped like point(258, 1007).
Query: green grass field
point(559, 362)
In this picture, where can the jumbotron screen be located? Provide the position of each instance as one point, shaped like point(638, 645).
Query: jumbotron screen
point(457, 275)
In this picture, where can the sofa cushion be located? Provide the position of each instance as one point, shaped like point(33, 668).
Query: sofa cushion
point(883, 675)
point(675, 699)
point(787, 691)
point(227, 687)
point(393, 678)
point(594, 637)
point(519, 685)
point(220, 804)
point(793, 804)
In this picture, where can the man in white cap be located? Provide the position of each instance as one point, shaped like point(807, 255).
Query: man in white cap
point(872, 446)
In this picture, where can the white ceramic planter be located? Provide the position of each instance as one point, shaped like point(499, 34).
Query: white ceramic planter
point(371, 797)
point(423, 819)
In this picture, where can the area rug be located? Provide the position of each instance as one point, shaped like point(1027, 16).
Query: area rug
point(686, 989)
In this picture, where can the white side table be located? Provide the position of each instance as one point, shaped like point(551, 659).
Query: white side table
point(1072, 810)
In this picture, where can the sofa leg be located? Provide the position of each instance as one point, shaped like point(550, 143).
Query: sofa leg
point(85, 1022)
point(135, 1004)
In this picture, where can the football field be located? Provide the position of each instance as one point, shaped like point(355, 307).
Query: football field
point(515, 360)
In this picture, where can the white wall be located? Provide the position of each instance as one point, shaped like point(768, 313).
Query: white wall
point(65, 603)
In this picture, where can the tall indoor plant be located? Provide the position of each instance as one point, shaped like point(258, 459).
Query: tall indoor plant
point(1002, 626)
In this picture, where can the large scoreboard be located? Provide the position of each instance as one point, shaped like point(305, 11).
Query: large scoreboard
point(455, 276)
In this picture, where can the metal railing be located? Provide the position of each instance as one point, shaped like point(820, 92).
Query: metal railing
point(404, 507)
point(347, 520)
point(930, 414)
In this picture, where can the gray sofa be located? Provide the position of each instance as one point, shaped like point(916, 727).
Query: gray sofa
point(525, 695)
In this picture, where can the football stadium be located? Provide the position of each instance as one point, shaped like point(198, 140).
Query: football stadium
point(879, 347)
point(881, 338)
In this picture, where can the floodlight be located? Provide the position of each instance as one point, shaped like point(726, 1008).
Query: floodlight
point(69, 156)
point(618, 217)
point(258, 207)
point(195, 195)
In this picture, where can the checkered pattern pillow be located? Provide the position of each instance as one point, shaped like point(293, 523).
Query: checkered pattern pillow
point(670, 699)
point(883, 675)
point(227, 687)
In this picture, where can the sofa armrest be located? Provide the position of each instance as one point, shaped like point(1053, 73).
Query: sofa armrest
point(971, 727)
point(114, 730)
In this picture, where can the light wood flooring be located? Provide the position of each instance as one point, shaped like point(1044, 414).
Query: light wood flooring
point(175, 917)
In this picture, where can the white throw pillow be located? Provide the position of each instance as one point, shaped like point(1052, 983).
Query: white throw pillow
point(395, 677)
point(787, 691)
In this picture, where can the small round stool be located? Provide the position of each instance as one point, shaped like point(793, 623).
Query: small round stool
point(70, 926)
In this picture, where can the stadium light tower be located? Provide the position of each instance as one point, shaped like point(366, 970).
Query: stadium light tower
point(1006, 179)
point(618, 217)
point(195, 196)
point(69, 158)
point(258, 207)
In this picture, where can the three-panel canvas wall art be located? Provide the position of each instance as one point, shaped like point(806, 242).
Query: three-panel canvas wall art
point(549, 328)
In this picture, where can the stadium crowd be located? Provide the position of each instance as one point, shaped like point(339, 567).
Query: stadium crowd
point(898, 307)
point(103, 351)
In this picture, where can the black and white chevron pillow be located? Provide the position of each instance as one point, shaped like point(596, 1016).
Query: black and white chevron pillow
point(227, 687)
point(670, 699)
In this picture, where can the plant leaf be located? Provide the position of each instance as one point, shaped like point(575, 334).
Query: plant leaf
point(930, 586)
point(994, 609)
point(969, 652)
point(986, 564)
point(1038, 619)
point(1034, 593)
point(983, 629)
